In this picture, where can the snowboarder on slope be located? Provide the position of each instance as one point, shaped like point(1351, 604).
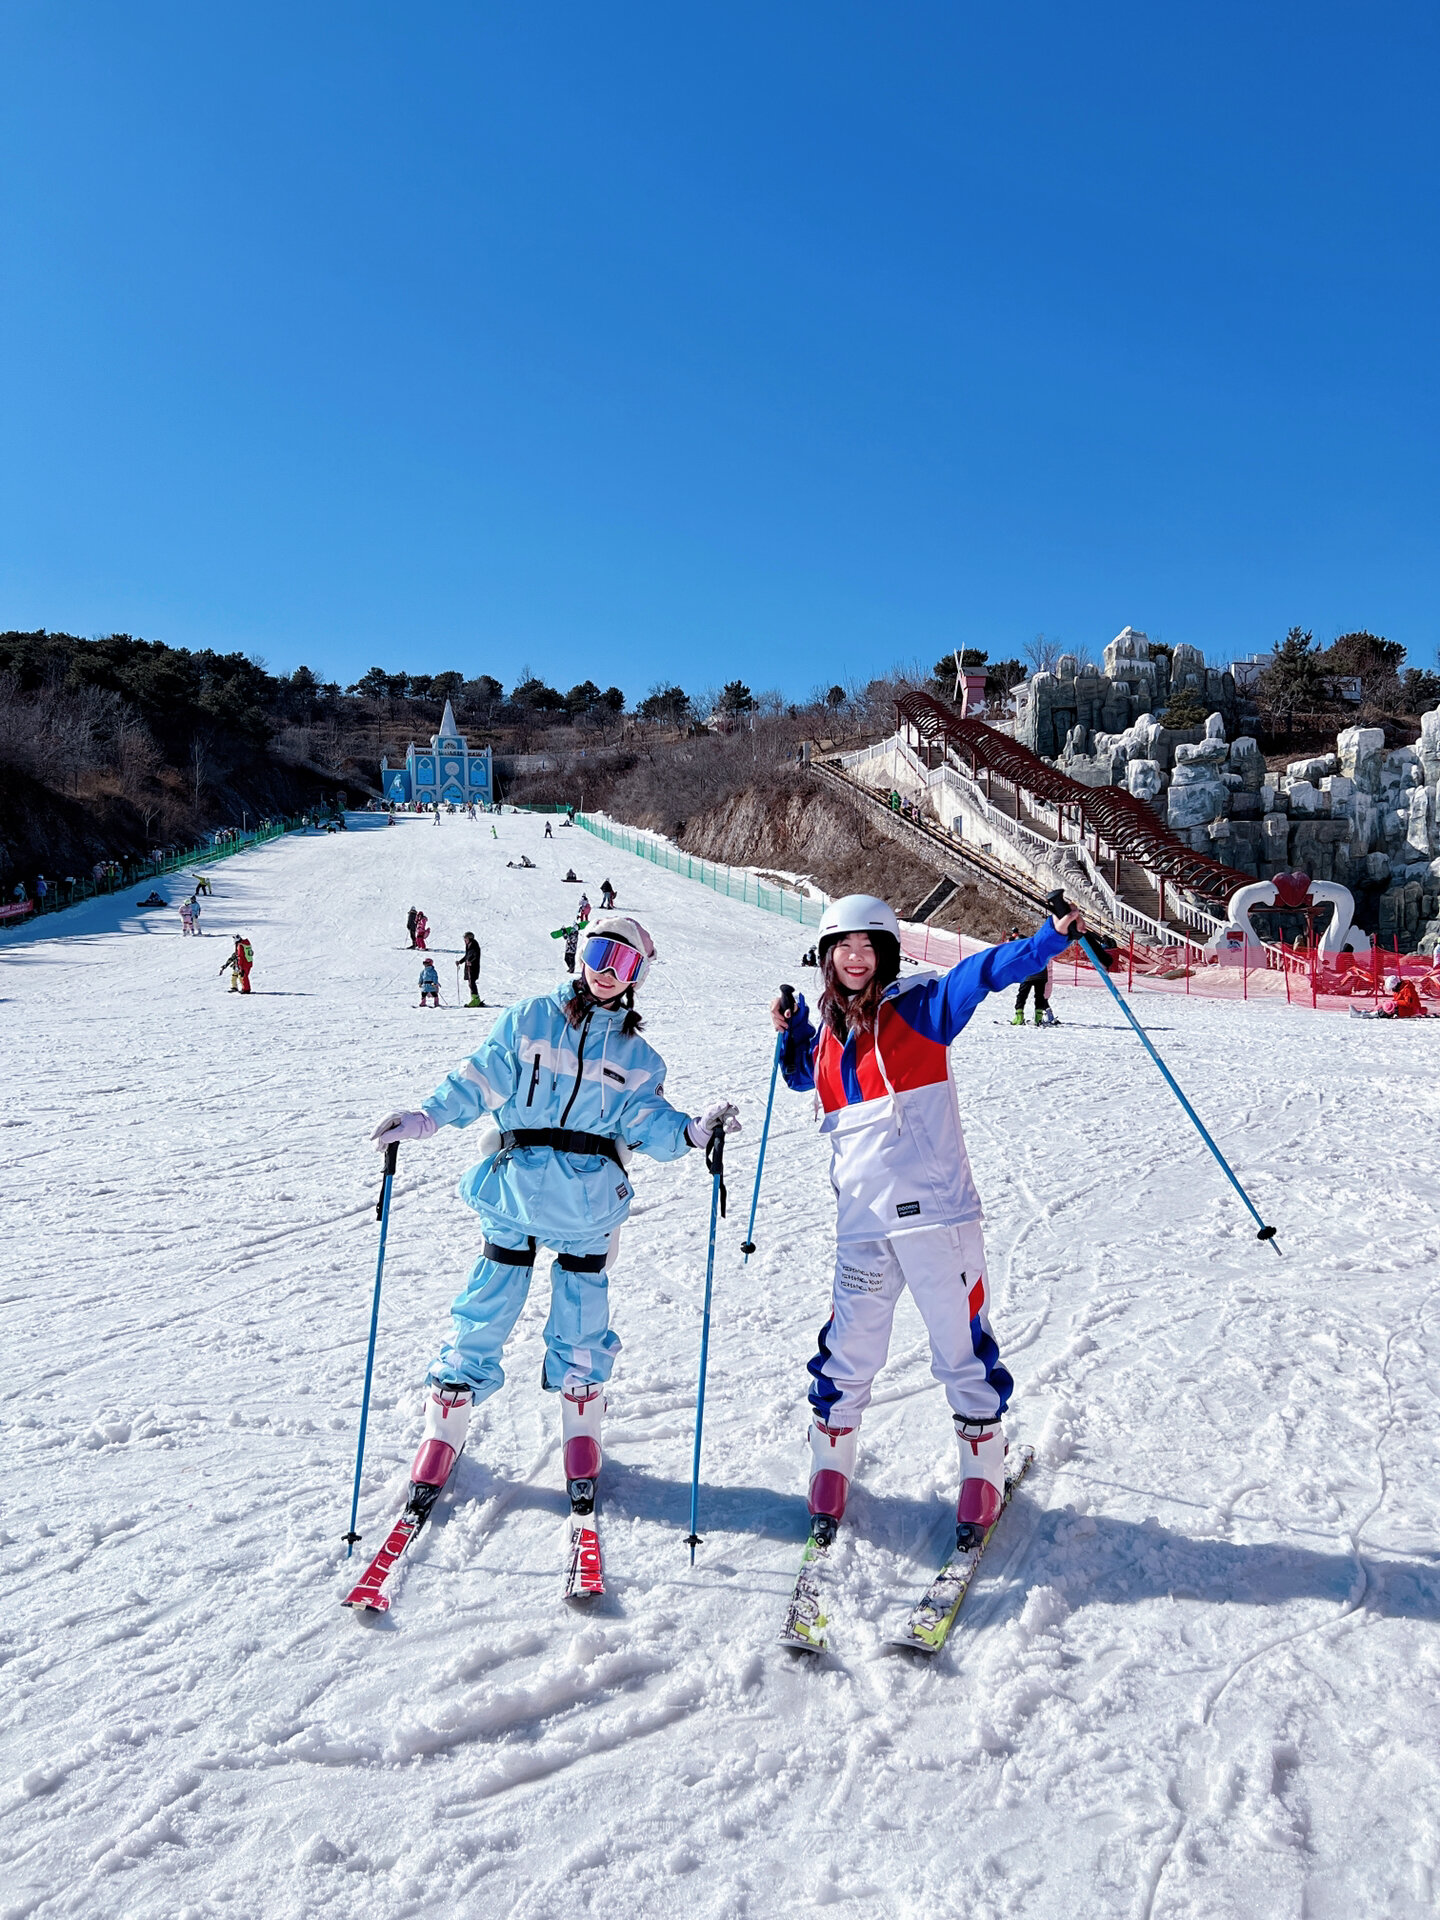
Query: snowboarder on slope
point(582, 912)
point(566, 1090)
point(429, 984)
point(470, 968)
point(571, 937)
point(909, 1214)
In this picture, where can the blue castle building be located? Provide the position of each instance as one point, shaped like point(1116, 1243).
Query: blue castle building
point(448, 770)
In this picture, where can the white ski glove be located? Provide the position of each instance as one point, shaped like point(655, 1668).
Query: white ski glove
point(402, 1126)
point(722, 1115)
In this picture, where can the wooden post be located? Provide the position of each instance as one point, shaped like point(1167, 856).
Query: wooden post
point(1130, 975)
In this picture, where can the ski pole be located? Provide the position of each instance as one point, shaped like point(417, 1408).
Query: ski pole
point(1059, 906)
point(382, 1214)
point(715, 1164)
point(747, 1245)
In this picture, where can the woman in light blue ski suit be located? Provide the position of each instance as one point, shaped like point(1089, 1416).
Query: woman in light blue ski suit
point(566, 1090)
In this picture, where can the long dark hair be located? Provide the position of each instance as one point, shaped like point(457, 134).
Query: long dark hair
point(580, 1003)
point(840, 1009)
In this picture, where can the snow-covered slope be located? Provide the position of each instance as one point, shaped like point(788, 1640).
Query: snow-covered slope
point(1199, 1673)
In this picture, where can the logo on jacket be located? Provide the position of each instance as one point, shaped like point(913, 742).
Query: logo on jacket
point(907, 1209)
point(611, 1074)
point(622, 1192)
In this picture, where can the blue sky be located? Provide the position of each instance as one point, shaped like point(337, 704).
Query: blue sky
point(654, 342)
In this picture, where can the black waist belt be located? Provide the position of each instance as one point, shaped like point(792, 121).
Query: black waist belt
point(563, 1140)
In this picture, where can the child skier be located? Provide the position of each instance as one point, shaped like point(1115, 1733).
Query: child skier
point(429, 984)
point(187, 917)
point(582, 912)
point(573, 1091)
point(422, 932)
point(909, 1214)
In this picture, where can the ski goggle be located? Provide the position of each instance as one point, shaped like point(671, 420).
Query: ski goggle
point(613, 956)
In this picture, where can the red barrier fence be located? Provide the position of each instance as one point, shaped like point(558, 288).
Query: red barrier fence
point(1328, 983)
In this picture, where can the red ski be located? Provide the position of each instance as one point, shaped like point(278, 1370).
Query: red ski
point(368, 1592)
point(585, 1570)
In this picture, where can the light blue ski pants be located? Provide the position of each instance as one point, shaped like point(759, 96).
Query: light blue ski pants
point(580, 1348)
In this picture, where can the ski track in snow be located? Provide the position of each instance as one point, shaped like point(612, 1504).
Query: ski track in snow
point(1196, 1676)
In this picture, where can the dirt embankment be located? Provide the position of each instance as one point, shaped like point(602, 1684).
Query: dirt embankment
point(747, 803)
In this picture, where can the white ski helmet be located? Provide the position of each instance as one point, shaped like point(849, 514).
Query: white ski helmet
point(863, 913)
point(630, 933)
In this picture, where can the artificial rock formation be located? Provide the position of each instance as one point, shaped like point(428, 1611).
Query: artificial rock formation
point(1067, 711)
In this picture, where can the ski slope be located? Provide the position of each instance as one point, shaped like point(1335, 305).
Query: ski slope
point(1198, 1675)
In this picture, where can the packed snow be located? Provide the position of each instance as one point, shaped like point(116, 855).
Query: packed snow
point(1197, 1675)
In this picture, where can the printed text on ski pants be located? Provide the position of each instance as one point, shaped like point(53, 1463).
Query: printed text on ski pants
point(580, 1349)
point(944, 1268)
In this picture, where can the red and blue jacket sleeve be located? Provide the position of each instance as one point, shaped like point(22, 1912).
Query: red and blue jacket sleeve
point(937, 1009)
point(797, 1050)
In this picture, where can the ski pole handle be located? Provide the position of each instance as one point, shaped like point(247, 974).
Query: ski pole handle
point(787, 998)
point(392, 1155)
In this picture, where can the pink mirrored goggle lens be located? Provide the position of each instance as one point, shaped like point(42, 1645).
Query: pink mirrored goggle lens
point(613, 956)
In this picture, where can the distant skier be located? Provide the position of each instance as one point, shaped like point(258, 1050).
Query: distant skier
point(571, 937)
point(582, 912)
point(607, 897)
point(548, 834)
point(422, 932)
point(194, 913)
point(187, 917)
point(470, 968)
point(572, 879)
point(429, 984)
point(552, 1169)
point(909, 1214)
point(411, 917)
point(240, 962)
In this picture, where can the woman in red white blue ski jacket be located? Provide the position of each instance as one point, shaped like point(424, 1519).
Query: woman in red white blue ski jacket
point(908, 1213)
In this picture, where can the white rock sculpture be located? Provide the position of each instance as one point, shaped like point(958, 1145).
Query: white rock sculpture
point(1360, 750)
point(1144, 778)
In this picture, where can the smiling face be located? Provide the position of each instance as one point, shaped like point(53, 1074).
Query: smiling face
point(854, 960)
point(603, 985)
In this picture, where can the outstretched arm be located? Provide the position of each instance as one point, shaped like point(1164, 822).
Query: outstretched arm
point(481, 1084)
point(944, 1005)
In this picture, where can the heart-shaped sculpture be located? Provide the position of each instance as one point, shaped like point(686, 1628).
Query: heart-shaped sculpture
point(1292, 889)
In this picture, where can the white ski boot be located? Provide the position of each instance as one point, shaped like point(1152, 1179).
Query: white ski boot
point(581, 1409)
point(832, 1467)
point(982, 1479)
point(447, 1420)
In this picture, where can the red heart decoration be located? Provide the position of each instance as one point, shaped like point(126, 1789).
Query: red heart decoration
point(1292, 889)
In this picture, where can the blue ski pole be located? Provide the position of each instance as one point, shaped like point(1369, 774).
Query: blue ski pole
point(382, 1214)
point(715, 1164)
point(1059, 906)
point(747, 1245)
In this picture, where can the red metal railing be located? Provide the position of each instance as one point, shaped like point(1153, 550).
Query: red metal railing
point(1128, 826)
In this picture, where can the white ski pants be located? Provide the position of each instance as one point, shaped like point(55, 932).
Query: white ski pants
point(944, 1268)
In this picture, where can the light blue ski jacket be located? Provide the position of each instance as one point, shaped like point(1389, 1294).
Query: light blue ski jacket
point(536, 1070)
